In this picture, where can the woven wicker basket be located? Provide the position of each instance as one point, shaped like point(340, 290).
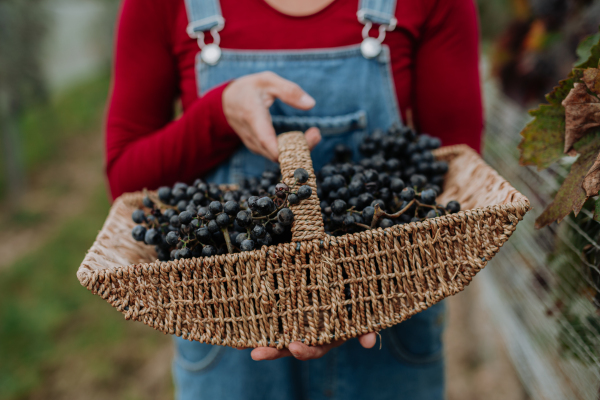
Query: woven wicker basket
point(295, 291)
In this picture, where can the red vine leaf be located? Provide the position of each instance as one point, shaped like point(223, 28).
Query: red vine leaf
point(591, 182)
point(582, 112)
point(591, 78)
point(571, 195)
point(545, 142)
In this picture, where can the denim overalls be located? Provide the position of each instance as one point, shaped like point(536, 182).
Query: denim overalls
point(354, 93)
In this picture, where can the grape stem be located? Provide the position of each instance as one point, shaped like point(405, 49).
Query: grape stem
point(427, 205)
point(291, 186)
point(379, 213)
point(274, 212)
point(362, 225)
point(227, 240)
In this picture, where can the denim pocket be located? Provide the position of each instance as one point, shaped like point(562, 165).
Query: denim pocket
point(196, 357)
point(328, 125)
point(418, 341)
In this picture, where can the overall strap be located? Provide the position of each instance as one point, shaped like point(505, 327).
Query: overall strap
point(380, 12)
point(203, 15)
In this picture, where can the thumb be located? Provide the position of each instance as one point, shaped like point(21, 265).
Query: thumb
point(289, 92)
point(313, 137)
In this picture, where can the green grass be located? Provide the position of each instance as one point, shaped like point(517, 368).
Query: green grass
point(26, 218)
point(45, 127)
point(49, 322)
point(40, 297)
point(53, 330)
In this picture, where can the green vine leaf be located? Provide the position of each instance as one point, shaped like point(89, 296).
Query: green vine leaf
point(597, 209)
point(544, 137)
point(544, 141)
point(570, 195)
point(560, 92)
point(588, 52)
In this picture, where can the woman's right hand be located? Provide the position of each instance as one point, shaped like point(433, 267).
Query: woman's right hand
point(246, 103)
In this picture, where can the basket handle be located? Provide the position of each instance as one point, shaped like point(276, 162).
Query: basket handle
point(294, 154)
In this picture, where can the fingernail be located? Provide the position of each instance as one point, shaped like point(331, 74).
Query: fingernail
point(307, 101)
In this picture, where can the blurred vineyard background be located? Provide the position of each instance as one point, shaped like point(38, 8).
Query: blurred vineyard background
point(527, 328)
point(57, 341)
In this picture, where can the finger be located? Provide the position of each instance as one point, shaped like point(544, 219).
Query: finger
point(268, 353)
point(303, 352)
point(265, 135)
point(251, 142)
point(288, 92)
point(313, 137)
point(367, 341)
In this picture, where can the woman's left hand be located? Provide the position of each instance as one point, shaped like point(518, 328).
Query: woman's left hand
point(304, 352)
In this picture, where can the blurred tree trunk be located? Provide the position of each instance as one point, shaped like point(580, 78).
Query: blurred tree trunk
point(22, 26)
point(11, 150)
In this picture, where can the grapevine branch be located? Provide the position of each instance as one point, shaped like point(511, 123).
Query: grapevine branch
point(227, 240)
point(380, 213)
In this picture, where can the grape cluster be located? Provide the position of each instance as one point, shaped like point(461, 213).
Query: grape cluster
point(202, 220)
point(396, 182)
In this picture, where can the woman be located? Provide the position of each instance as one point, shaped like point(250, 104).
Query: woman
point(246, 70)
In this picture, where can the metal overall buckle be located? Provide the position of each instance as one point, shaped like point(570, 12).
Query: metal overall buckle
point(370, 47)
point(209, 53)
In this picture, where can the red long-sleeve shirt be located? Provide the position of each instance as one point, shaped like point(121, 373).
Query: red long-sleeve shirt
point(434, 54)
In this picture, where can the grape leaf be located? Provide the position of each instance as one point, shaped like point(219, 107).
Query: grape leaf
point(597, 209)
point(545, 142)
point(560, 92)
point(591, 181)
point(591, 77)
point(543, 138)
point(588, 52)
point(582, 111)
point(571, 195)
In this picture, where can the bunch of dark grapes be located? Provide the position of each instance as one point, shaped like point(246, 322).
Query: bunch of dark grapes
point(396, 182)
point(201, 220)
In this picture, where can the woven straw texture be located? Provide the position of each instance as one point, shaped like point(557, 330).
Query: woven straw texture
point(295, 291)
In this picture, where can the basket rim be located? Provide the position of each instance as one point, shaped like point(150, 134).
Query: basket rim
point(85, 275)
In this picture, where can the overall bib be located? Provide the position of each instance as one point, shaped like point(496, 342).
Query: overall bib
point(354, 93)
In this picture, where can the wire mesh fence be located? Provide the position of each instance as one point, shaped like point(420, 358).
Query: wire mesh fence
point(543, 286)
